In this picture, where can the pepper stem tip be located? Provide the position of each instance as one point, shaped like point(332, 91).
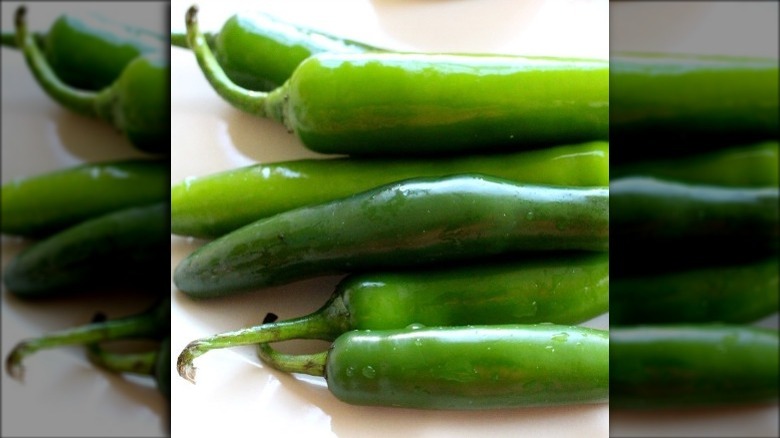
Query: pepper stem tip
point(192, 15)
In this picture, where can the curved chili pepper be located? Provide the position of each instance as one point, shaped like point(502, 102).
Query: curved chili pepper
point(136, 104)
point(44, 204)
point(90, 51)
point(214, 205)
point(472, 367)
point(392, 103)
point(562, 289)
point(113, 247)
point(414, 222)
point(260, 52)
point(669, 366)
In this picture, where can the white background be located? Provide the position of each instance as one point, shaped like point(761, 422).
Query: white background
point(235, 394)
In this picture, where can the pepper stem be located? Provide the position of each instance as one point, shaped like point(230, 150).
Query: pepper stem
point(310, 364)
point(136, 363)
point(143, 325)
point(9, 40)
point(179, 39)
point(79, 101)
point(327, 323)
point(254, 102)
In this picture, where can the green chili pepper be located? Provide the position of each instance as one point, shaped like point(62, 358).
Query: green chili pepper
point(692, 365)
point(754, 165)
point(669, 106)
point(214, 205)
point(472, 367)
point(136, 104)
point(562, 289)
point(90, 51)
point(392, 103)
point(733, 294)
point(115, 247)
point(44, 204)
point(152, 323)
point(260, 52)
point(154, 363)
point(414, 222)
point(703, 223)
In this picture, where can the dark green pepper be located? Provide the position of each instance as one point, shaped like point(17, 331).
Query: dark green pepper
point(674, 105)
point(393, 103)
point(90, 51)
point(152, 323)
point(260, 52)
point(214, 205)
point(44, 204)
point(705, 224)
point(671, 366)
point(753, 165)
point(471, 367)
point(732, 294)
point(136, 104)
point(562, 289)
point(124, 246)
point(413, 222)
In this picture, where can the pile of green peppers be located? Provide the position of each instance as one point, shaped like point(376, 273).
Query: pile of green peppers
point(474, 243)
point(119, 75)
point(97, 224)
point(695, 179)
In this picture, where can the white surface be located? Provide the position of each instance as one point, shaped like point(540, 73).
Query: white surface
point(64, 395)
point(718, 28)
point(235, 394)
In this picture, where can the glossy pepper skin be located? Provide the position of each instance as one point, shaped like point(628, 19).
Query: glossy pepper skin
point(670, 366)
point(670, 106)
point(465, 368)
point(414, 222)
point(561, 289)
point(417, 104)
point(740, 293)
point(89, 51)
point(751, 165)
point(136, 103)
point(705, 224)
point(260, 52)
point(214, 205)
point(44, 204)
point(108, 249)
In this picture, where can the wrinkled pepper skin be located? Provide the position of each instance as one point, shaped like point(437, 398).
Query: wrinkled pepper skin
point(740, 293)
point(89, 51)
point(214, 205)
point(470, 367)
point(120, 247)
point(673, 105)
point(44, 204)
point(672, 366)
point(409, 223)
